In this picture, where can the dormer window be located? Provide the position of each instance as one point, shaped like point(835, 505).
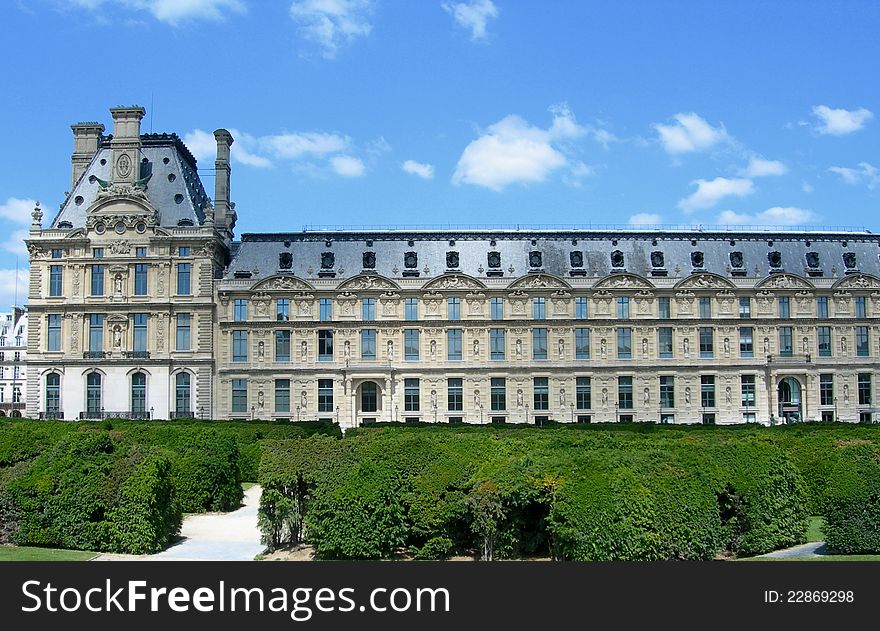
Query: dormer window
point(328, 259)
point(535, 259)
point(617, 259)
point(657, 259)
point(185, 223)
point(452, 260)
point(736, 259)
point(697, 259)
point(494, 259)
point(775, 259)
point(285, 260)
point(369, 260)
point(812, 259)
point(849, 260)
point(411, 260)
point(576, 258)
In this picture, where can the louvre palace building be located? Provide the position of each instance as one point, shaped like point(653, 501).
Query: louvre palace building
point(143, 303)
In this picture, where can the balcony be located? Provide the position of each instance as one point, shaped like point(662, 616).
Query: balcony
point(136, 354)
point(181, 414)
point(94, 355)
point(103, 414)
point(792, 359)
point(56, 415)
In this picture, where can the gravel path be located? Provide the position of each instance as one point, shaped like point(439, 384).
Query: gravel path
point(814, 549)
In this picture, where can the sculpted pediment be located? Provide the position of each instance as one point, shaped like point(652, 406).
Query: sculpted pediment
point(858, 281)
point(623, 281)
point(284, 283)
point(705, 280)
point(785, 281)
point(369, 282)
point(453, 282)
point(539, 281)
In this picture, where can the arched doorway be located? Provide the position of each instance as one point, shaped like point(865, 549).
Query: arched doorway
point(369, 401)
point(789, 398)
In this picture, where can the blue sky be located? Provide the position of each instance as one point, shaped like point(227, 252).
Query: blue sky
point(403, 112)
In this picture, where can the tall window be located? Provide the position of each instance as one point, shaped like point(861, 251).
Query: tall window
point(138, 394)
point(282, 310)
point(325, 395)
point(326, 310)
point(498, 393)
point(453, 344)
point(282, 346)
point(745, 308)
point(707, 391)
point(747, 388)
point(57, 253)
point(861, 307)
point(184, 286)
point(541, 389)
point(239, 395)
point(823, 337)
point(55, 278)
point(183, 334)
point(664, 312)
point(182, 395)
point(496, 308)
point(826, 389)
point(411, 395)
point(784, 307)
point(624, 343)
point(139, 332)
point(53, 336)
point(183, 250)
point(368, 309)
point(140, 253)
point(664, 342)
point(822, 307)
point(785, 341)
point(667, 392)
point(282, 395)
point(96, 333)
point(454, 394)
point(453, 309)
point(496, 344)
point(581, 308)
point(411, 344)
point(368, 344)
point(864, 388)
point(863, 349)
point(411, 309)
point(583, 393)
point(539, 311)
point(707, 345)
point(239, 346)
point(625, 393)
point(582, 343)
point(705, 307)
point(98, 253)
point(97, 280)
point(539, 343)
point(93, 394)
point(53, 395)
point(140, 279)
point(239, 310)
point(622, 308)
point(325, 346)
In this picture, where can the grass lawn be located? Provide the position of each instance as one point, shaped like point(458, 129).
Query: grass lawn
point(822, 557)
point(815, 529)
point(246, 485)
point(27, 553)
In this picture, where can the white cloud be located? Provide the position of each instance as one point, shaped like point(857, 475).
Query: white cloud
point(776, 216)
point(292, 146)
point(806, 187)
point(15, 243)
point(18, 210)
point(331, 23)
point(424, 171)
point(472, 15)
point(710, 192)
point(347, 166)
point(8, 287)
point(513, 151)
point(690, 133)
point(645, 219)
point(838, 122)
point(759, 167)
point(866, 173)
point(173, 12)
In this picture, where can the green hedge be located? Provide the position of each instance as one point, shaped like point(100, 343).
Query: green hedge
point(852, 518)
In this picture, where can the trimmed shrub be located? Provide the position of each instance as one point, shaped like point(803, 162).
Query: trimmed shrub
point(852, 518)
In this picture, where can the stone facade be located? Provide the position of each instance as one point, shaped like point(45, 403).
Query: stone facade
point(13, 359)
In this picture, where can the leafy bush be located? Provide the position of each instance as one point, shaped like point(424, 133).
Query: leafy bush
point(852, 519)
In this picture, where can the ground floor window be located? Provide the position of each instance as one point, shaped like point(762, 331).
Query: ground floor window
point(93, 394)
point(239, 395)
point(182, 394)
point(53, 394)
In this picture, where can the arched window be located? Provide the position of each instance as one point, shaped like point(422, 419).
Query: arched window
point(182, 394)
point(139, 395)
point(93, 395)
point(53, 395)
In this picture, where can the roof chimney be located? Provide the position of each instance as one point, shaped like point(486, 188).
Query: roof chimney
point(85, 146)
point(224, 211)
point(126, 143)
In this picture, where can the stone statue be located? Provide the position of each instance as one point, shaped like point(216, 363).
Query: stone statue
point(476, 348)
point(476, 398)
point(519, 398)
point(843, 345)
point(562, 397)
point(604, 396)
point(561, 347)
point(346, 350)
point(687, 347)
point(117, 336)
point(390, 350)
point(766, 345)
point(805, 346)
point(727, 395)
point(303, 401)
point(687, 395)
point(645, 346)
point(727, 346)
point(260, 400)
point(261, 349)
point(117, 283)
point(603, 347)
point(519, 349)
point(647, 396)
point(433, 399)
point(846, 393)
point(433, 349)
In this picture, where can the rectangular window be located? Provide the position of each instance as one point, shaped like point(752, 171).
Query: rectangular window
point(282, 395)
point(239, 346)
point(582, 343)
point(411, 309)
point(140, 253)
point(498, 393)
point(705, 308)
point(453, 344)
point(183, 250)
point(368, 309)
point(325, 346)
point(864, 388)
point(411, 395)
point(496, 344)
point(826, 389)
point(707, 345)
point(184, 270)
point(624, 343)
point(541, 397)
point(368, 344)
point(622, 308)
point(96, 333)
point(625, 393)
point(822, 307)
point(539, 311)
point(140, 279)
point(183, 332)
point(583, 393)
point(581, 309)
point(97, 280)
point(282, 310)
point(453, 309)
point(239, 395)
point(496, 308)
point(785, 341)
point(665, 342)
point(863, 349)
point(53, 337)
point(55, 278)
point(823, 336)
point(707, 391)
point(239, 310)
point(325, 395)
point(57, 253)
point(861, 307)
point(784, 308)
point(667, 392)
point(139, 336)
point(539, 343)
point(665, 312)
point(747, 388)
point(282, 346)
point(411, 344)
point(746, 342)
point(326, 310)
point(454, 394)
point(98, 253)
point(745, 308)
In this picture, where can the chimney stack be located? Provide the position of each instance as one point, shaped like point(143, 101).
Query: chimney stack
point(126, 144)
point(85, 146)
point(224, 213)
